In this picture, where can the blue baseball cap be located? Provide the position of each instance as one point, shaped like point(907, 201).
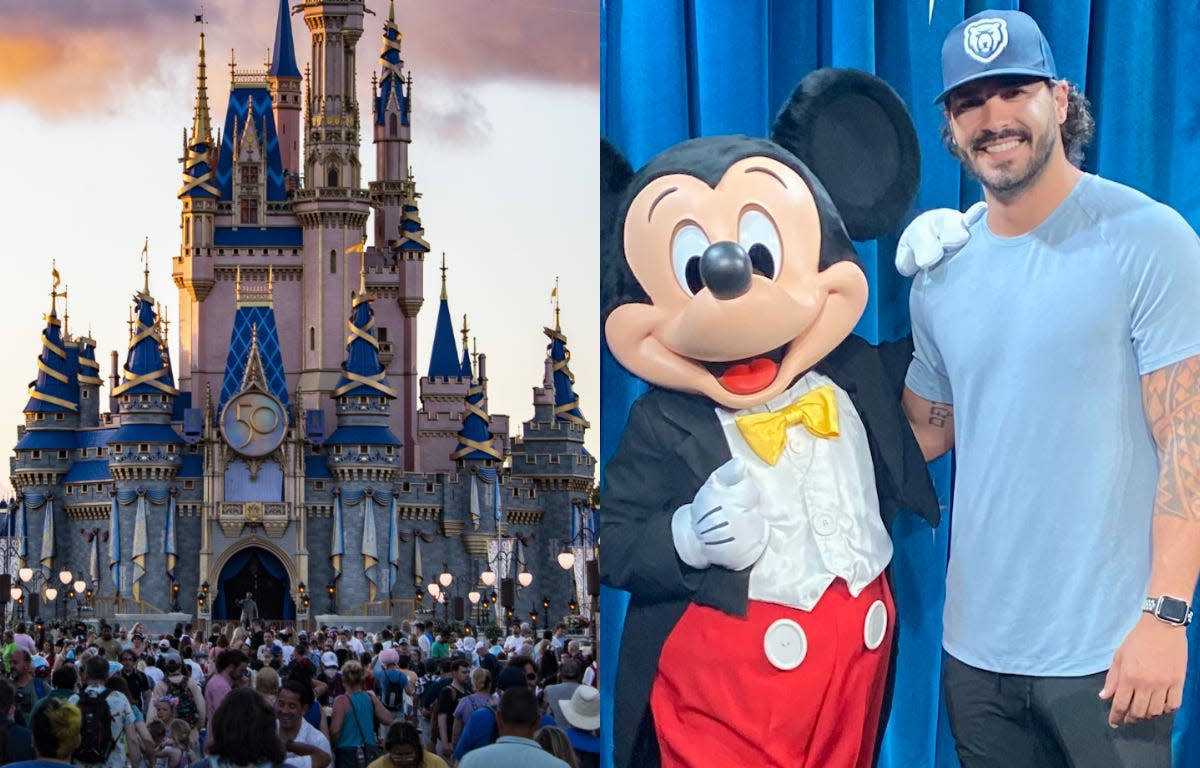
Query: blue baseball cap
point(994, 43)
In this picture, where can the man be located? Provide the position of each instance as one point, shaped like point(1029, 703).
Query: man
point(513, 642)
point(559, 641)
point(29, 689)
point(424, 639)
point(63, 680)
point(569, 674)
point(249, 610)
point(307, 747)
point(139, 684)
point(231, 667)
point(518, 719)
point(1056, 351)
point(23, 640)
point(122, 722)
point(110, 645)
point(581, 723)
point(16, 741)
point(394, 686)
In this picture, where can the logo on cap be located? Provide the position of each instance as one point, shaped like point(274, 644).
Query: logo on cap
point(985, 39)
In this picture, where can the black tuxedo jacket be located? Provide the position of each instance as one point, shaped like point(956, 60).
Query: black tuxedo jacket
point(671, 444)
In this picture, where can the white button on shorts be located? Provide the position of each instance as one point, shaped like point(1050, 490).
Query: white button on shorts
point(785, 644)
point(875, 627)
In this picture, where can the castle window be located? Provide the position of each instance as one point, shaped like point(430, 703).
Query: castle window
point(188, 485)
point(58, 417)
point(249, 211)
point(428, 487)
point(362, 449)
point(170, 449)
point(406, 487)
point(249, 174)
point(332, 178)
point(35, 454)
point(312, 338)
point(143, 448)
point(319, 485)
point(333, 262)
point(86, 394)
point(144, 398)
point(390, 451)
point(62, 454)
point(392, 125)
point(382, 334)
point(39, 417)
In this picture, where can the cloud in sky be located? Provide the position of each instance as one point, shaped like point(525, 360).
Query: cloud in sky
point(60, 57)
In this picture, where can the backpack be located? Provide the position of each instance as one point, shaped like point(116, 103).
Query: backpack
point(185, 709)
point(96, 740)
point(392, 691)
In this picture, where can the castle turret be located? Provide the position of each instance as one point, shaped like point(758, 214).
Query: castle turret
point(89, 383)
point(283, 80)
point(391, 135)
point(198, 194)
point(475, 440)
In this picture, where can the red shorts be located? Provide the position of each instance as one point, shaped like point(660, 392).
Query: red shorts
point(780, 688)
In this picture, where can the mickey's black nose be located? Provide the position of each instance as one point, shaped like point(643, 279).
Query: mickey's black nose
point(725, 269)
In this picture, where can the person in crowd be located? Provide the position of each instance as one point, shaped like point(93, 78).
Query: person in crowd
point(554, 740)
point(481, 726)
point(266, 682)
point(63, 681)
point(139, 685)
point(306, 746)
point(402, 747)
point(29, 688)
point(242, 733)
point(232, 666)
point(16, 741)
point(482, 696)
point(518, 718)
point(353, 720)
point(582, 724)
point(55, 727)
point(569, 679)
point(187, 700)
point(124, 735)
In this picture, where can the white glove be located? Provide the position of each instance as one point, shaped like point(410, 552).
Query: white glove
point(933, 236)
point(722, 526)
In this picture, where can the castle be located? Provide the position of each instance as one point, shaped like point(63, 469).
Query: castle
point(293, 450)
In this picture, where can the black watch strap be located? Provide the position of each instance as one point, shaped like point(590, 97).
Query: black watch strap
point(1170, 610)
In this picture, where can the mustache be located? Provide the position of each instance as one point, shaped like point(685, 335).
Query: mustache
point(988, 137)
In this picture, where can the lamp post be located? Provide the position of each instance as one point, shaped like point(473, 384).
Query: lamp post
point(35, 582)
point(546, 612)
point(331, 590)
point(79, 587)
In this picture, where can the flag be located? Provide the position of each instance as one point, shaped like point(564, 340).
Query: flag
point(48, 539)
point(141, 547)
point(146, 247)
point(169, 538)
point(337, 545)
point(418, 576)
point(393, 548)
point(22, 535)
point(370, 551)
point(54, 274)
point(475, 501)
point(114, 545)
point(357, 247)
point(94, 557)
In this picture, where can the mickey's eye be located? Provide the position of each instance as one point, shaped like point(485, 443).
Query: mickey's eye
point(686, 249)
point(760, 240)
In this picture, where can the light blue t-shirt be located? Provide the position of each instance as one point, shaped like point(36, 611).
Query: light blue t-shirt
point(1039, 342)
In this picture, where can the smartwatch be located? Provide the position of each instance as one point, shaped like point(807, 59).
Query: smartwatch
point(1168, 609)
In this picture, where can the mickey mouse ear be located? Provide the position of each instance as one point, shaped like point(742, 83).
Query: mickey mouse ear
point(853, 131)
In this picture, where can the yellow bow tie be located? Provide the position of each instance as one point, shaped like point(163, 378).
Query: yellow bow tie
point(766, 433)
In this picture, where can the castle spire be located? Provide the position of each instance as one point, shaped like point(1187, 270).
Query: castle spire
point(475, 440)
point(55, 390)
point(197, 160)
point(443, 361)
point(467, 372)
point(362, 373)
point(566, 402)
point(284, 63)
point(147, 366)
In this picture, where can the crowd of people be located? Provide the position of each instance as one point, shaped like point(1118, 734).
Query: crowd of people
point(256, 695)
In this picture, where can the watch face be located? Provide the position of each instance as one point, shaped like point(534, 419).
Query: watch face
point(253, 423)
point(1173, 610)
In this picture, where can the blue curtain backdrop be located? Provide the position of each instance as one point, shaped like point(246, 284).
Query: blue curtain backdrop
point(674, 69)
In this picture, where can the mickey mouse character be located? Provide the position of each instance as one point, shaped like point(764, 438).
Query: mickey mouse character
point(746, 504)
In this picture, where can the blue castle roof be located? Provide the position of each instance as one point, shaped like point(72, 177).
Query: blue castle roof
point(391, 82)
point(475, 437)
point(89, 369)
point(566, 402)
point(255, 102)
point(412, 233)
point(443, 360)
point(197, 159)
point(362, 373)
point(248, 321)
point(56, 389)
point(283, 63)
point(467, 373)
point(148, 366)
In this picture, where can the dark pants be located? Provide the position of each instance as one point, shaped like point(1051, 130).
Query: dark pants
point(1001, 721)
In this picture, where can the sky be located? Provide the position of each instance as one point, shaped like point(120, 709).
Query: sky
point(94, 99)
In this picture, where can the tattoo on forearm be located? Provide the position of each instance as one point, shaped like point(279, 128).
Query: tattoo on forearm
point(1172, 402)
point(939, 415)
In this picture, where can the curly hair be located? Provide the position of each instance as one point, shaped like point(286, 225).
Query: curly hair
point(243, 730)
point(1076, 132)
